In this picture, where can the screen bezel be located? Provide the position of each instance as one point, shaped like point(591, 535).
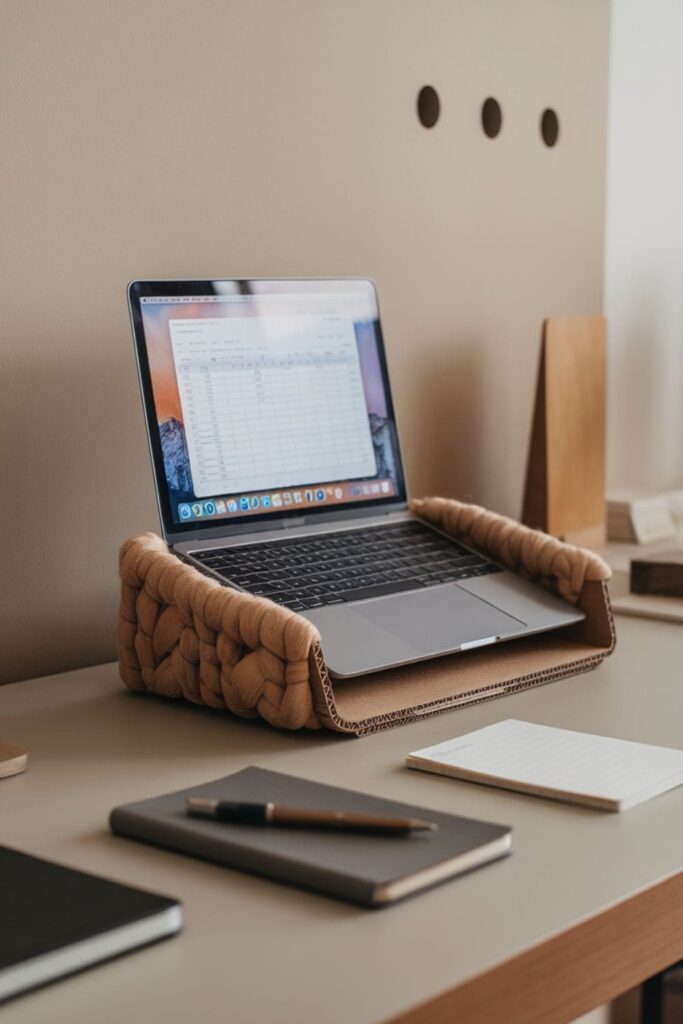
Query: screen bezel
point(270, 520)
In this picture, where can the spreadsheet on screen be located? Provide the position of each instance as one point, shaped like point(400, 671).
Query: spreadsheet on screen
point(272, 401)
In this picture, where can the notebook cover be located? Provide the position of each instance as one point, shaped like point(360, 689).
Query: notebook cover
point(46, 907)
point(345, 865)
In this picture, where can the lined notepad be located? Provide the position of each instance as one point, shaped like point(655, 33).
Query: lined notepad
point(578, 767)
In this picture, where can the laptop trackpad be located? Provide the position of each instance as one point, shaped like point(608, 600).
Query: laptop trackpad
point(438, 619)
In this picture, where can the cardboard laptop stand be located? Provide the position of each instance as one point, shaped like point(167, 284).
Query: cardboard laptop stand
point(183, 635)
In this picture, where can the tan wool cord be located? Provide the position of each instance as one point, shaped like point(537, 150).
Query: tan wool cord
point(184, 635)
point(532, 553)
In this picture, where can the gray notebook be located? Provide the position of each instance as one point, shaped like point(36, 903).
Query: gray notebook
point(368, 869)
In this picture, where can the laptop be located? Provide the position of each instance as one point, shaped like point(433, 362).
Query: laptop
point(278, 472)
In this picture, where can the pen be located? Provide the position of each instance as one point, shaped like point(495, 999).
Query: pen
point(301, 817)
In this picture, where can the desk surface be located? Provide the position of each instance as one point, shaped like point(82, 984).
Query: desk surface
point(579, 881)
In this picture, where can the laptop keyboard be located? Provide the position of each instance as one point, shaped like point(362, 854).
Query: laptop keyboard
point(348, 565)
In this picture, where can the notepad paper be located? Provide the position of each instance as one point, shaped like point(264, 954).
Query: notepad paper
point(610, 774)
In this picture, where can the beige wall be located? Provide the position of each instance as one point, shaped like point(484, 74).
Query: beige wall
point(644, 245)
point(274, 138)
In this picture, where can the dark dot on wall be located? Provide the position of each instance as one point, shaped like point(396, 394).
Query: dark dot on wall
point(428, 106)
point(550, 127)
point(491, 117)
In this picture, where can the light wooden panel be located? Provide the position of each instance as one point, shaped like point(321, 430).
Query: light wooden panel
point(145, 139)
point(565, 481)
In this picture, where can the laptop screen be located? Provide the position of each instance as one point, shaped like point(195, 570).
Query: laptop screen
point(265, 398)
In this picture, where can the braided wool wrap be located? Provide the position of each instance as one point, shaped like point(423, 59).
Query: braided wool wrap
point(182, 634)
point(532, 553)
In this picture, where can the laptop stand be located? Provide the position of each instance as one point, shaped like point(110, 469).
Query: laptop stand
point(183, 635)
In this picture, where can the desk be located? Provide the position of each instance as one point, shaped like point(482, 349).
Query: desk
point(588, 905)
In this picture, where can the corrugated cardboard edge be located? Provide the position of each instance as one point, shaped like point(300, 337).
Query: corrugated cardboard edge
point(591, 642)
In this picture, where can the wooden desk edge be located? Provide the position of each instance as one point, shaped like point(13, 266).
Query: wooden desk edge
point(573, 972)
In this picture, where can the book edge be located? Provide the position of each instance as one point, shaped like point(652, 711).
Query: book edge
point(479, 856)
point(76, 956)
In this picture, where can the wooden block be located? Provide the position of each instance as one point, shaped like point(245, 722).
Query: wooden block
point(12, 760)
point(658, 574)
point(565, 483)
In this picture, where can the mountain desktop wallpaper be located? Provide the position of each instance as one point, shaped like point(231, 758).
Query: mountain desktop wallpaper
point(176, 461)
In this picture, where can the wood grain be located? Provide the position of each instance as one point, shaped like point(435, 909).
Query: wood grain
point(565, 482)
point(575, 971)
point(658, 574)
point(12, 760)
